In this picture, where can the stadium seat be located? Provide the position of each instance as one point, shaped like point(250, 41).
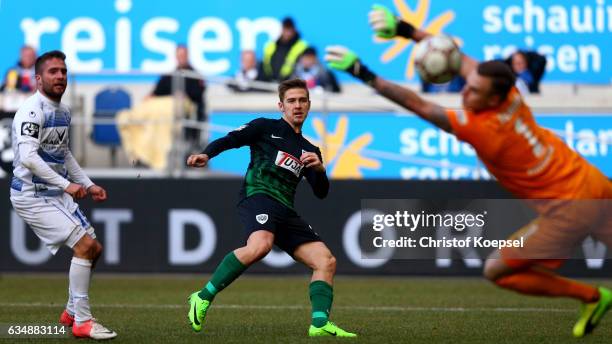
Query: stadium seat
point(107, 104)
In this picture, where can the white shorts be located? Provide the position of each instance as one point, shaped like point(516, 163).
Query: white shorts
point(56, 221)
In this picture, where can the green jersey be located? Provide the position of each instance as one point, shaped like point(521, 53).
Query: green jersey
point(275, 168)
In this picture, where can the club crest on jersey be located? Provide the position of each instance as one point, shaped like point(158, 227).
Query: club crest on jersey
point(262, 218)
point(30, 129)
point(289, 162)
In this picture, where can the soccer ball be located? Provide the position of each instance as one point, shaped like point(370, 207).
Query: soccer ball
point(437, 59)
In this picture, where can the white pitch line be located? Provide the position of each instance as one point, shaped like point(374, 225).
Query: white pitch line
point(298, 307)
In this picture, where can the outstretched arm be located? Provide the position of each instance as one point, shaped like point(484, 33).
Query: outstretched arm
point(234, 139)
point(343, 59)
point(213, 149)
point(431, 112)
point(386, 25)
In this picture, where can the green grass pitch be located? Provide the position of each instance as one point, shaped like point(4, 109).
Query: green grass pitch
point(276, 309)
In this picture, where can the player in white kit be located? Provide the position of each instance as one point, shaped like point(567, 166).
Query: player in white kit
point(46, 179)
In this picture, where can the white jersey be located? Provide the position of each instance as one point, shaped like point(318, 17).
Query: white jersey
point(41, 138)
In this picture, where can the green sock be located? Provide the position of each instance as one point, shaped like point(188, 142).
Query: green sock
point(321, 297)
point(228, 270)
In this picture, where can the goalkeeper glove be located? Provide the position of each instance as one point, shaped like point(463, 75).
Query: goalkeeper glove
point(341, 58)
point(386, 25)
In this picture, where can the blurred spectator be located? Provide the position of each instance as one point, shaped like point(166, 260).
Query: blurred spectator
point(281, 55)
point(455, 85)
point(192, 86)
point(310, 69)
point(21, 77)
point(529, 68)
point(524, 78)
point(250, 71)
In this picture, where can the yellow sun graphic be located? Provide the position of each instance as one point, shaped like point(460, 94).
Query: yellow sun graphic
point(417, 18)
point(343, 161)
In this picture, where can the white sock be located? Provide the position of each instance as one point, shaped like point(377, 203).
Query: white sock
point(80, 273)
point(70, 303)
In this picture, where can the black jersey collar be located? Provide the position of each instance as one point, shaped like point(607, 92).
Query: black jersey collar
point(282, 119)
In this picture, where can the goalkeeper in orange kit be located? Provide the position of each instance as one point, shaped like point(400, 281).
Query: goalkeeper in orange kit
point(573, 198)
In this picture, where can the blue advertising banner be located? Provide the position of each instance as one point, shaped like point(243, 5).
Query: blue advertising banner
point(139, 35)
point(387, 145)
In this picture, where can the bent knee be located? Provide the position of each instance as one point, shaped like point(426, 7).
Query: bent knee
point(90, 250)
point(97, 251)
point(331, 263)
point(94, 251)
point(260, 249)
point(327, 263)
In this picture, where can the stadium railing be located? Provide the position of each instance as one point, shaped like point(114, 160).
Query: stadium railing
point(355, 98)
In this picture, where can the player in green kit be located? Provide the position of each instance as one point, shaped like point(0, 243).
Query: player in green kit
point(280, 157)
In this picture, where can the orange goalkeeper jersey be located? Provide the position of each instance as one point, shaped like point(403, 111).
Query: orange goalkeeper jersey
point(528, 160)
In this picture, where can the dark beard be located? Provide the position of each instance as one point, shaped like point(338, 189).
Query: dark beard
point(52, 94)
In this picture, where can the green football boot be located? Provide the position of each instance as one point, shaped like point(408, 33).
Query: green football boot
point(591, 313)
point(329, 329)
point(197, 311)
